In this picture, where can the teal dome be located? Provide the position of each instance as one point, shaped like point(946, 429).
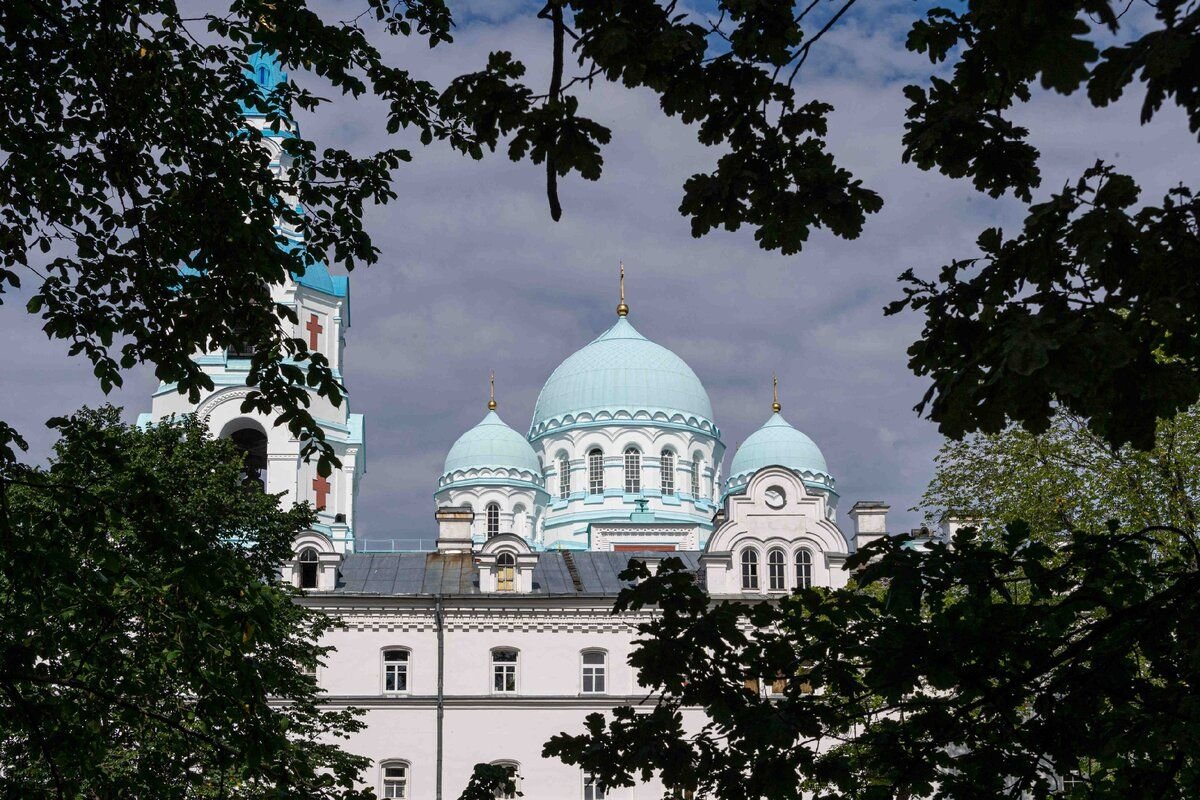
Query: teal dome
point(777, 443)
point(622, 371)
point(492, 445)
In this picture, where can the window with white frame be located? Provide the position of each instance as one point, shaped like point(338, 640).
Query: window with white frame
point(749, 568)
point(506, 572)
point(595, 672)
point(493, 519)
point(515, 771)
point(591, 788)
point(504, 671)
point(776, 570)
point(595, 461)
point(633, 471)
point(666, 470)
point(804, 561)
point(697, 469)
point(564, 477)
point(394, 779)
point(395, 670)
point(308, 568)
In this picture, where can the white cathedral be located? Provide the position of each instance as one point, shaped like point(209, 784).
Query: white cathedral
point(483, 648)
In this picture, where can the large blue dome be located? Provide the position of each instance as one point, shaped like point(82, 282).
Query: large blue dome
point(491, 445)
point(622, 372)
point(777, 443)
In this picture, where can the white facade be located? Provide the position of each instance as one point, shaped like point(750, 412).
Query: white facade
point(503, 637)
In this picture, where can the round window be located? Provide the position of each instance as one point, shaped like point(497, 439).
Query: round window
point(775, 497)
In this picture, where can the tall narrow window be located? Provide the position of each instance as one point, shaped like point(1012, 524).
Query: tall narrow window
point(697, 469)
point(564, 478)
point(749, 569)
point(595, 472)
point(395, 780)
point(776, 570)
point(666, 470)
point(591, 788)
point(633, 471)
point(595, 669)
point(504, 671)
point(803, 569)
point(506, 572)
point(493, 519)
point(308, 568)
point(395, 670)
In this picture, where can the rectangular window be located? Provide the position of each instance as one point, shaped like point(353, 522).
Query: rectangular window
point(395, 781)
point(633, 471)
point(395, 671)
point(564, 479)
point(595, 472)
point(504, 671)
point(591, 789)
point(594, 669)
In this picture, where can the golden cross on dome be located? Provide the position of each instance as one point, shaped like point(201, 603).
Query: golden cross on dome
point(775, 394)
point(622, 309)
point(492, 391)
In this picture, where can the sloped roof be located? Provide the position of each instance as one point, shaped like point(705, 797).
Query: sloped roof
point(557, 573)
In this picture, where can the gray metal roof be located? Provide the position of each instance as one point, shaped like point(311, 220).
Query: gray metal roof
point(556, 572)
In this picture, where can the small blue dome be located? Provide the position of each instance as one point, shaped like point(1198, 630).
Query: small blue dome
point(492, 445)
point(777, 443)
point(622, 371)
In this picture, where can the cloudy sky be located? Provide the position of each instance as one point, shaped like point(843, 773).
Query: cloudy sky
point(475, 276)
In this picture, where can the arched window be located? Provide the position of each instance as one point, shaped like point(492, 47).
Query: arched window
point(803, 569)
point(666, 471)
point(263, 74)
point(308, 568)
point(697, 469)
point(595, 472)
point(493, 519)
point(253, 444)
point(504, 671)
point(506, 572)
point(776, 570)
point(633, 471)
point(393, 775)
point(749, 568)
point(595, 671)
point(395, 670)
point(564, 477)
point(515, 771)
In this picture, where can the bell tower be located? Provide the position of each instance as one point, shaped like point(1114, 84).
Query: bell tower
point(321, 302)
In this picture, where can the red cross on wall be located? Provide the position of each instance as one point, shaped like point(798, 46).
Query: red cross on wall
point(313, 326)
point(321, 487)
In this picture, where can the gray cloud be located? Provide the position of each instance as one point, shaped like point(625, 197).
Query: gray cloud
point(474, 276)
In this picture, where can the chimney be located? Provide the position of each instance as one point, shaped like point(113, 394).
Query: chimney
point(950, 524)
point(454, 528)
point(870, 521)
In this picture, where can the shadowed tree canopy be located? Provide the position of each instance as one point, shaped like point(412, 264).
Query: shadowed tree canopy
point(147, 646)
point(126, 156)
point(991, 669)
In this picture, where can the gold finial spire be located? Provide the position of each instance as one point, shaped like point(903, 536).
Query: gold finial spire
point(775, 394)
point(492, 391)
point(622, 309)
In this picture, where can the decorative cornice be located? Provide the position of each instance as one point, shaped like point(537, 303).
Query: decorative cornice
point(592, 418)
